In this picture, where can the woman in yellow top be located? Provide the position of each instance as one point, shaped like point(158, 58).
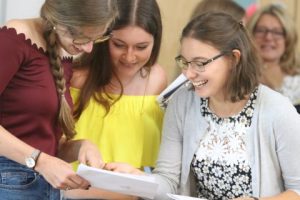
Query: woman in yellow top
point(115, 89)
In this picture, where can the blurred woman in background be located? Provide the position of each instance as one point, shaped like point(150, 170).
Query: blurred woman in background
point(276, 39)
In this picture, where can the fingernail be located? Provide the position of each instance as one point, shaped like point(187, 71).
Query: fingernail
point(88, 187)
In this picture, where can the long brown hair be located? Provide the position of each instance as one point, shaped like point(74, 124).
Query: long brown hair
point(71, 14)
point(141, 13)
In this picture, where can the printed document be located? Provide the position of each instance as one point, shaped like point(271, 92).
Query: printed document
point(136, 185)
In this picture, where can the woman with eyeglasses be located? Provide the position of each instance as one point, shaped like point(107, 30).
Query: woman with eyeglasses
point(227, 136)
point(36, 122)
point(115, 89)
point(276, 39)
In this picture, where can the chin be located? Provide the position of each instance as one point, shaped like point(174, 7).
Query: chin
point(270, 59)
point(201, 94)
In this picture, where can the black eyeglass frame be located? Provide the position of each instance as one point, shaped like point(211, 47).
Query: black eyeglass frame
point(263, 32)
point(198, 66)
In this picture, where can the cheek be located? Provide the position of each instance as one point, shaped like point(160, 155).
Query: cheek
point(66, 44)
point(223, 73)
point(64, 41)
point(145, 55)
point(282, 47)
point(114, 53)
point(258, 41)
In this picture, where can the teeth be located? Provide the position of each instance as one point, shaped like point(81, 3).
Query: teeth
point(199, 83)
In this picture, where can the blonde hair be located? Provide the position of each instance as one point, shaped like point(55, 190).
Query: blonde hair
point(72, 14)
point(289, 61)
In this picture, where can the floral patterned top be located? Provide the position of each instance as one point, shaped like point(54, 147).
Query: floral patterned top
point(220, 165)
point(290, 88)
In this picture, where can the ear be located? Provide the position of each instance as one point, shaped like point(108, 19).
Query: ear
point(236, 55)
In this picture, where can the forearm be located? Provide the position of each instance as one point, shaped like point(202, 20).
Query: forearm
point(13, 148)
point(94, 193)
point(289, 194)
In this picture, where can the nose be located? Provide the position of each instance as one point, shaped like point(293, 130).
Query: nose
point(268, 35)
point(87, 47)
point(130, 56)
point(190, 73)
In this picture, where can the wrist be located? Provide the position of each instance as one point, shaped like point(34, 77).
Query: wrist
point(31, 160)
point(40, 162)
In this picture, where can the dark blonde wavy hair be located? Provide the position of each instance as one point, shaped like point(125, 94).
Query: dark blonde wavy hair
point(289, 61)
point(71, 14)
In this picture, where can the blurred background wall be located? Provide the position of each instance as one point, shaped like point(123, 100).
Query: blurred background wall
point(10, 9)
point(175, 14)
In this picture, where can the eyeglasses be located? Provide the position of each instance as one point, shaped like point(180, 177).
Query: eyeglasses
point(82, 40)
point(86, 40)
point(198, 66)
point(263, 32)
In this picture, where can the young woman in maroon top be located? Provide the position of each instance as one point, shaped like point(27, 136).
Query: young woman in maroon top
point(36, 124)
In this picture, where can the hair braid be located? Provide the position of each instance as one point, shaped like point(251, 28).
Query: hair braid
point(65, 117)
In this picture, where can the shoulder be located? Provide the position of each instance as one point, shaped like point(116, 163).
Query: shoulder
point(20, 25)
point(158, 80)
point(31, 28)
point(184, 99)
point(274, 104)
point(186, 95)
point(270, 97)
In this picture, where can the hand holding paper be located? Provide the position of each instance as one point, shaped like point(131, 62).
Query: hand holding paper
point(135, 185)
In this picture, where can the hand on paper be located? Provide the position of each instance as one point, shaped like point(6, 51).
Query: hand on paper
point(123, 168)
point(90, 155)
point(59, 173)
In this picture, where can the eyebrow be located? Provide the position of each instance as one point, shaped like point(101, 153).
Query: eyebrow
point(270, 28)
point(141, 43)
point(196, 58)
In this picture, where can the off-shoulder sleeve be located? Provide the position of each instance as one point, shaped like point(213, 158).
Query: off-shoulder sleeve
point(11, 55)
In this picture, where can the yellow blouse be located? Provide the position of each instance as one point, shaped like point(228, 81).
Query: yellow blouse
point(130, 132)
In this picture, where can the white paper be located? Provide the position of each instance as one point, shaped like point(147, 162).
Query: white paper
point(162, 99)
point(180, 197)
point(136, 185)
point(180, 79)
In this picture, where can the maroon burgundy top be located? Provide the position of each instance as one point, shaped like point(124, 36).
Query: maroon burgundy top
point(28, 96)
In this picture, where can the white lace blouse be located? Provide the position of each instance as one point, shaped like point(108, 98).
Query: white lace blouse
point(221, 165)
point(291, 88)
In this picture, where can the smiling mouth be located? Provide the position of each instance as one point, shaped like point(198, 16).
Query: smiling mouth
point(199, 83)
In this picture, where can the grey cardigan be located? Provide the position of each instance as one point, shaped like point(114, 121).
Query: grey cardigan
point(273, 144)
